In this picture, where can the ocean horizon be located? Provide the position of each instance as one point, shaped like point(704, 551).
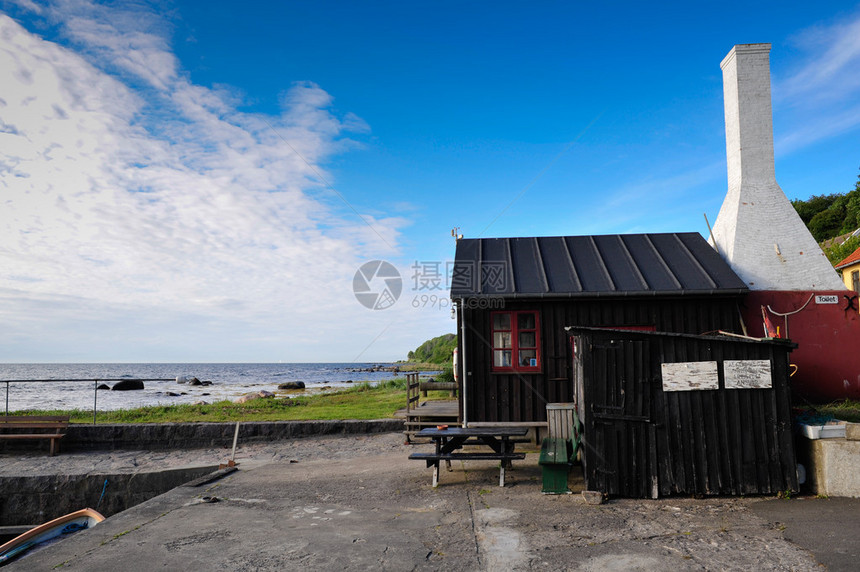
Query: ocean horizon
point(229, 381)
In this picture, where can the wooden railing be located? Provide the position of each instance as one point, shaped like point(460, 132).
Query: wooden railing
point(413, 393)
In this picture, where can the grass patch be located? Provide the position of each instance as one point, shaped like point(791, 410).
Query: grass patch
point(845, 409)
point(362, 401)
point(419, 366)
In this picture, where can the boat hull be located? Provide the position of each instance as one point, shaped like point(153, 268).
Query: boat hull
point(64, 525)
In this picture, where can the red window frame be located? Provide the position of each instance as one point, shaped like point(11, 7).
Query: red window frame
point(513, 344)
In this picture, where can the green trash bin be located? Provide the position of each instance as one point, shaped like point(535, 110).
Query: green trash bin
point(560, 448)
point(555, 457)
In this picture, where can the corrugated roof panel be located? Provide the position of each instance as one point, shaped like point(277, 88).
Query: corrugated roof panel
point(558, 265)
point(497, 272)
point(712, 263)
point(589, 265)
point(657, 274)
point(686, 270)
point(464, 280)
point(575, 266)
point(527, 265)
point(619, 263)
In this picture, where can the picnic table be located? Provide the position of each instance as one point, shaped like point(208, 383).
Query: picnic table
point(449, 443)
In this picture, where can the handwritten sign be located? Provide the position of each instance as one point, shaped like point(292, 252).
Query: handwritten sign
point(827, 299)
point(747, 374)
point(690, 376)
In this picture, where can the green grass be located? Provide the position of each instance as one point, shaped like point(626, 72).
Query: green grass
point(419, 366)
point(361, 401)
point(846, 410)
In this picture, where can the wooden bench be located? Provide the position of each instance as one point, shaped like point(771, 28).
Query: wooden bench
point(26, 427)
point(450, 386)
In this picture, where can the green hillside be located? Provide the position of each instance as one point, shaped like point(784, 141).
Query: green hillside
point(829, 216)
point(438, 350)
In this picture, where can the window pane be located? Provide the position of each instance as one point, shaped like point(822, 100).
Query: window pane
point(502, 340)
point(527, 340)
point(528, 358)
point(501, 321)
point(526, 321)
point(502, 358)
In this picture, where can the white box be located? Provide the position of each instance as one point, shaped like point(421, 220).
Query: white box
point(831, 430)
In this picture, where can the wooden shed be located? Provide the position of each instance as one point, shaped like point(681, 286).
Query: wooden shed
point(668, 414)
point(515, 296)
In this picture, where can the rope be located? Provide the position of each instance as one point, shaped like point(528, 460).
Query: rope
point(104, 488)
point(772, 311)
point(787, 314)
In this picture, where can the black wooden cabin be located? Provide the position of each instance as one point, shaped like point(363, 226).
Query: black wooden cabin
point(666, 414)
point(515, 296)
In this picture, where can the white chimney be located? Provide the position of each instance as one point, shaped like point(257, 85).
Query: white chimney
point(758, 232)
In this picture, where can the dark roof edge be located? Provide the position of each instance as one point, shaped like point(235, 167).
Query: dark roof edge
point(617, 294)
point(573, 330)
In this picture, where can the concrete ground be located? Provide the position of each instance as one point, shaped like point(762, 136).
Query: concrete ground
point(357, 502)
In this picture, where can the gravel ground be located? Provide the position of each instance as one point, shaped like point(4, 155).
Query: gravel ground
point(255, 454)
point(358, 502)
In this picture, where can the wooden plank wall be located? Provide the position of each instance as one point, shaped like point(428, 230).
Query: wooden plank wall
point(494, 397)
point(709, 442)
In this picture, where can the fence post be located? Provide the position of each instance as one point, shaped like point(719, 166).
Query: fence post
point(95, 398)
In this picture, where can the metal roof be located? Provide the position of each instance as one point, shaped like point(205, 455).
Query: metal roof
point(669, 264)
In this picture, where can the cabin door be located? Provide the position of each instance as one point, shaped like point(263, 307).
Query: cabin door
point(616, 397)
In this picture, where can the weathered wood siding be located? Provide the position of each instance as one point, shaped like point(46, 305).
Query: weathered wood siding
point(641, 440)
point(520, 397)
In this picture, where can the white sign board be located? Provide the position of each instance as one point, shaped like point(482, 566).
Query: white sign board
point(747, 374)
point(832, 299)
point(690, 376)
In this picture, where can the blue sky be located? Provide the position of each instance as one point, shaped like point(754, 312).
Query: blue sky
point(195, 181)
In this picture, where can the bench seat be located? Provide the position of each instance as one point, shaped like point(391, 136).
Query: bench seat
point(21, 423)
point(433, 457)
point(433, 460)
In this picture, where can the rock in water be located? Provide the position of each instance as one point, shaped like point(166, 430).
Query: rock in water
point(103, 386)
point(292, 385)
point(127, 385)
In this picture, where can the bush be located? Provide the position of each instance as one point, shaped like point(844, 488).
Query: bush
point(446, 376)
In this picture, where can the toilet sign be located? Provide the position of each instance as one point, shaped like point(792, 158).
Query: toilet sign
point(831, 299)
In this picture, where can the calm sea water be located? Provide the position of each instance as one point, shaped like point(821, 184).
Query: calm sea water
point(229, 381)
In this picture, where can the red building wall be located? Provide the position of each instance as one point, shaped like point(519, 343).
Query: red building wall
point(827, 337)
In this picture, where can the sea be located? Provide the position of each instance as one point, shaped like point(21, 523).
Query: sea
point(229, 381)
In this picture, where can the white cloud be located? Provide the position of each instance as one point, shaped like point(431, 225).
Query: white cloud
point(823, 87)
point(128, 193)
point(829, 70)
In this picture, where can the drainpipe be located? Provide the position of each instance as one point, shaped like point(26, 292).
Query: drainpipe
point(464, 376)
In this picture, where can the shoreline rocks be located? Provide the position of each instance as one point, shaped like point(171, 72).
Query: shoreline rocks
point(292, 385)
point(128, 385)
point(191, 380)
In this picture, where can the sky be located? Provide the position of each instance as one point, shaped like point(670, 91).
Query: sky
point(186, 181)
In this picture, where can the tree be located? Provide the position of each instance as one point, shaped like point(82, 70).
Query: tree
point(437, 350)
point(838, 252)
point(812, 206)
point(828, 216)
point(826, 224)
